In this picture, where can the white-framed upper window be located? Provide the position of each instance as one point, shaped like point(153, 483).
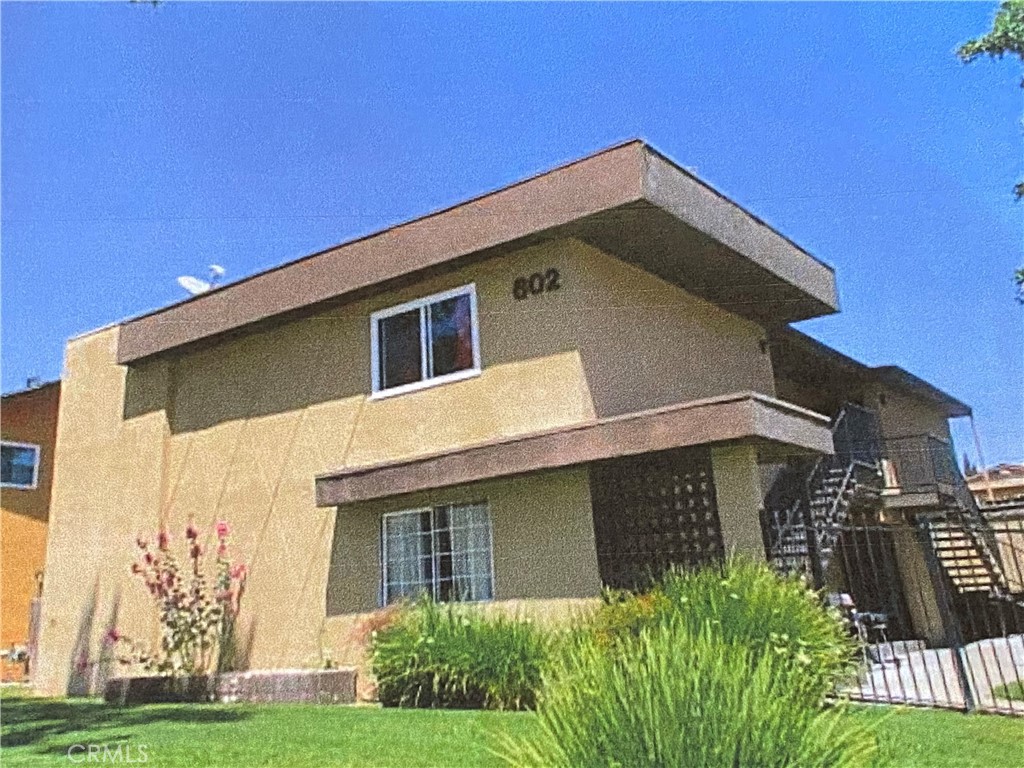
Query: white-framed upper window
point(19, 465)
point(425, 342)
point(444, 552)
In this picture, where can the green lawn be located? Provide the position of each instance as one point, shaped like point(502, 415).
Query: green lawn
point(1009, 691)
point(40, 731)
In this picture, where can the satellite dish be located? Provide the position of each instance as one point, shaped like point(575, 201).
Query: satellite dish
point(193, 285)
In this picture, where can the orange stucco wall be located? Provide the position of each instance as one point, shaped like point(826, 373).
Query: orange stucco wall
point(26, 417)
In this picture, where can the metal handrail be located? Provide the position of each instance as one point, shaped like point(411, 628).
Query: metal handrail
point(924, 461)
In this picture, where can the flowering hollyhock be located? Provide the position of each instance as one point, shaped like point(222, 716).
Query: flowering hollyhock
point(196, 614)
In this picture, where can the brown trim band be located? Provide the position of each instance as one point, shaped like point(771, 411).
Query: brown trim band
point(610, 199)
point(746, 416)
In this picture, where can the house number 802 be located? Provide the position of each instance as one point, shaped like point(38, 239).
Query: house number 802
point(536, 284)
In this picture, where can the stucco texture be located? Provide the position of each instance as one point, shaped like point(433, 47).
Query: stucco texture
point(238, 430)
point(903, 415)
point(28, 417)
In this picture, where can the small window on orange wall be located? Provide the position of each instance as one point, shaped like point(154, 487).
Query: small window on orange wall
point(19, 465)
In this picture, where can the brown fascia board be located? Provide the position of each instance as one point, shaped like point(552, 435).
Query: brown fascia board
point(740, 417)
point(609, 199)
point(706, 210)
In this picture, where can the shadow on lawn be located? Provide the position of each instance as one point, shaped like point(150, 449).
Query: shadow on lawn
point(28, 721)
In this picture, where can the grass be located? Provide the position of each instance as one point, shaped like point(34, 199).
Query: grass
point(1010, 691)
point(38, 732)
point(923, 738)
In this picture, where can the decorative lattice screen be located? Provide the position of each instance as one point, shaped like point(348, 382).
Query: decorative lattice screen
point(654, 511)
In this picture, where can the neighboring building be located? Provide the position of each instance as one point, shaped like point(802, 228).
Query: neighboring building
point(1000, 484)
point(517, 400)
point(28, 424)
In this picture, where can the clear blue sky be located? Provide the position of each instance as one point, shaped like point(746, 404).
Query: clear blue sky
point(142, 143)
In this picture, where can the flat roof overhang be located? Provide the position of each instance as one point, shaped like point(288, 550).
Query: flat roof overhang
point(747, 417)
point(628, 200)
point(795, 354)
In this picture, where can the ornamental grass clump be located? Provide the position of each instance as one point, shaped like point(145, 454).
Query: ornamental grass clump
point(675, 696)
point(449, 656)
point(743, 602)
point(728, 666)
point(196, 614)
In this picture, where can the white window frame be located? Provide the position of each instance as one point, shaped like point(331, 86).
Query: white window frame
point(382, 595)
point(35, 466)
point(426, 348)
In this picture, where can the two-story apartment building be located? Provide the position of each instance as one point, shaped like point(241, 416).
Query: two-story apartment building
point(553, 387)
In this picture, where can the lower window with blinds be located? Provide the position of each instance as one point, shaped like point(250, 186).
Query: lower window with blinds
point(444, 552)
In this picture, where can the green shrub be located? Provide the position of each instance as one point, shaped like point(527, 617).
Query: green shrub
point(745, 603)
point(456, 657)
point(673, 696)
point(726, 666)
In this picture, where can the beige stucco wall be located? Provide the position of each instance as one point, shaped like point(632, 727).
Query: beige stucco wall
point(542, 537)
point(740, 499)
point(238, 430)
point(918, 588)
point(902, 414)
point(106, 487)
point(543, 549)
point(613, 339)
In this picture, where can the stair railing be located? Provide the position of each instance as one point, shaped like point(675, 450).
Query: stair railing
point(856, 441)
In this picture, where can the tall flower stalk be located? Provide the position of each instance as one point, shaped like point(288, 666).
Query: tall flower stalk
point(197, 619)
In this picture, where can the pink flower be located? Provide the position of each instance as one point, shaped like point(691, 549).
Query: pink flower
point(112, 636)
point(141, 543)
point(222, 530)
point(239, 571)
point(191, 533)
point(163, 540)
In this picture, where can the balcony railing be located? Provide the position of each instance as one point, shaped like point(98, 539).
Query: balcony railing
point(922, 464)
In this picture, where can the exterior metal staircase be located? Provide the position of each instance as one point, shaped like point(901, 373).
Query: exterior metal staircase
point(966, 558)
point(964, 541)
point(966, 548)
point(819, 500)
point(806, 509)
